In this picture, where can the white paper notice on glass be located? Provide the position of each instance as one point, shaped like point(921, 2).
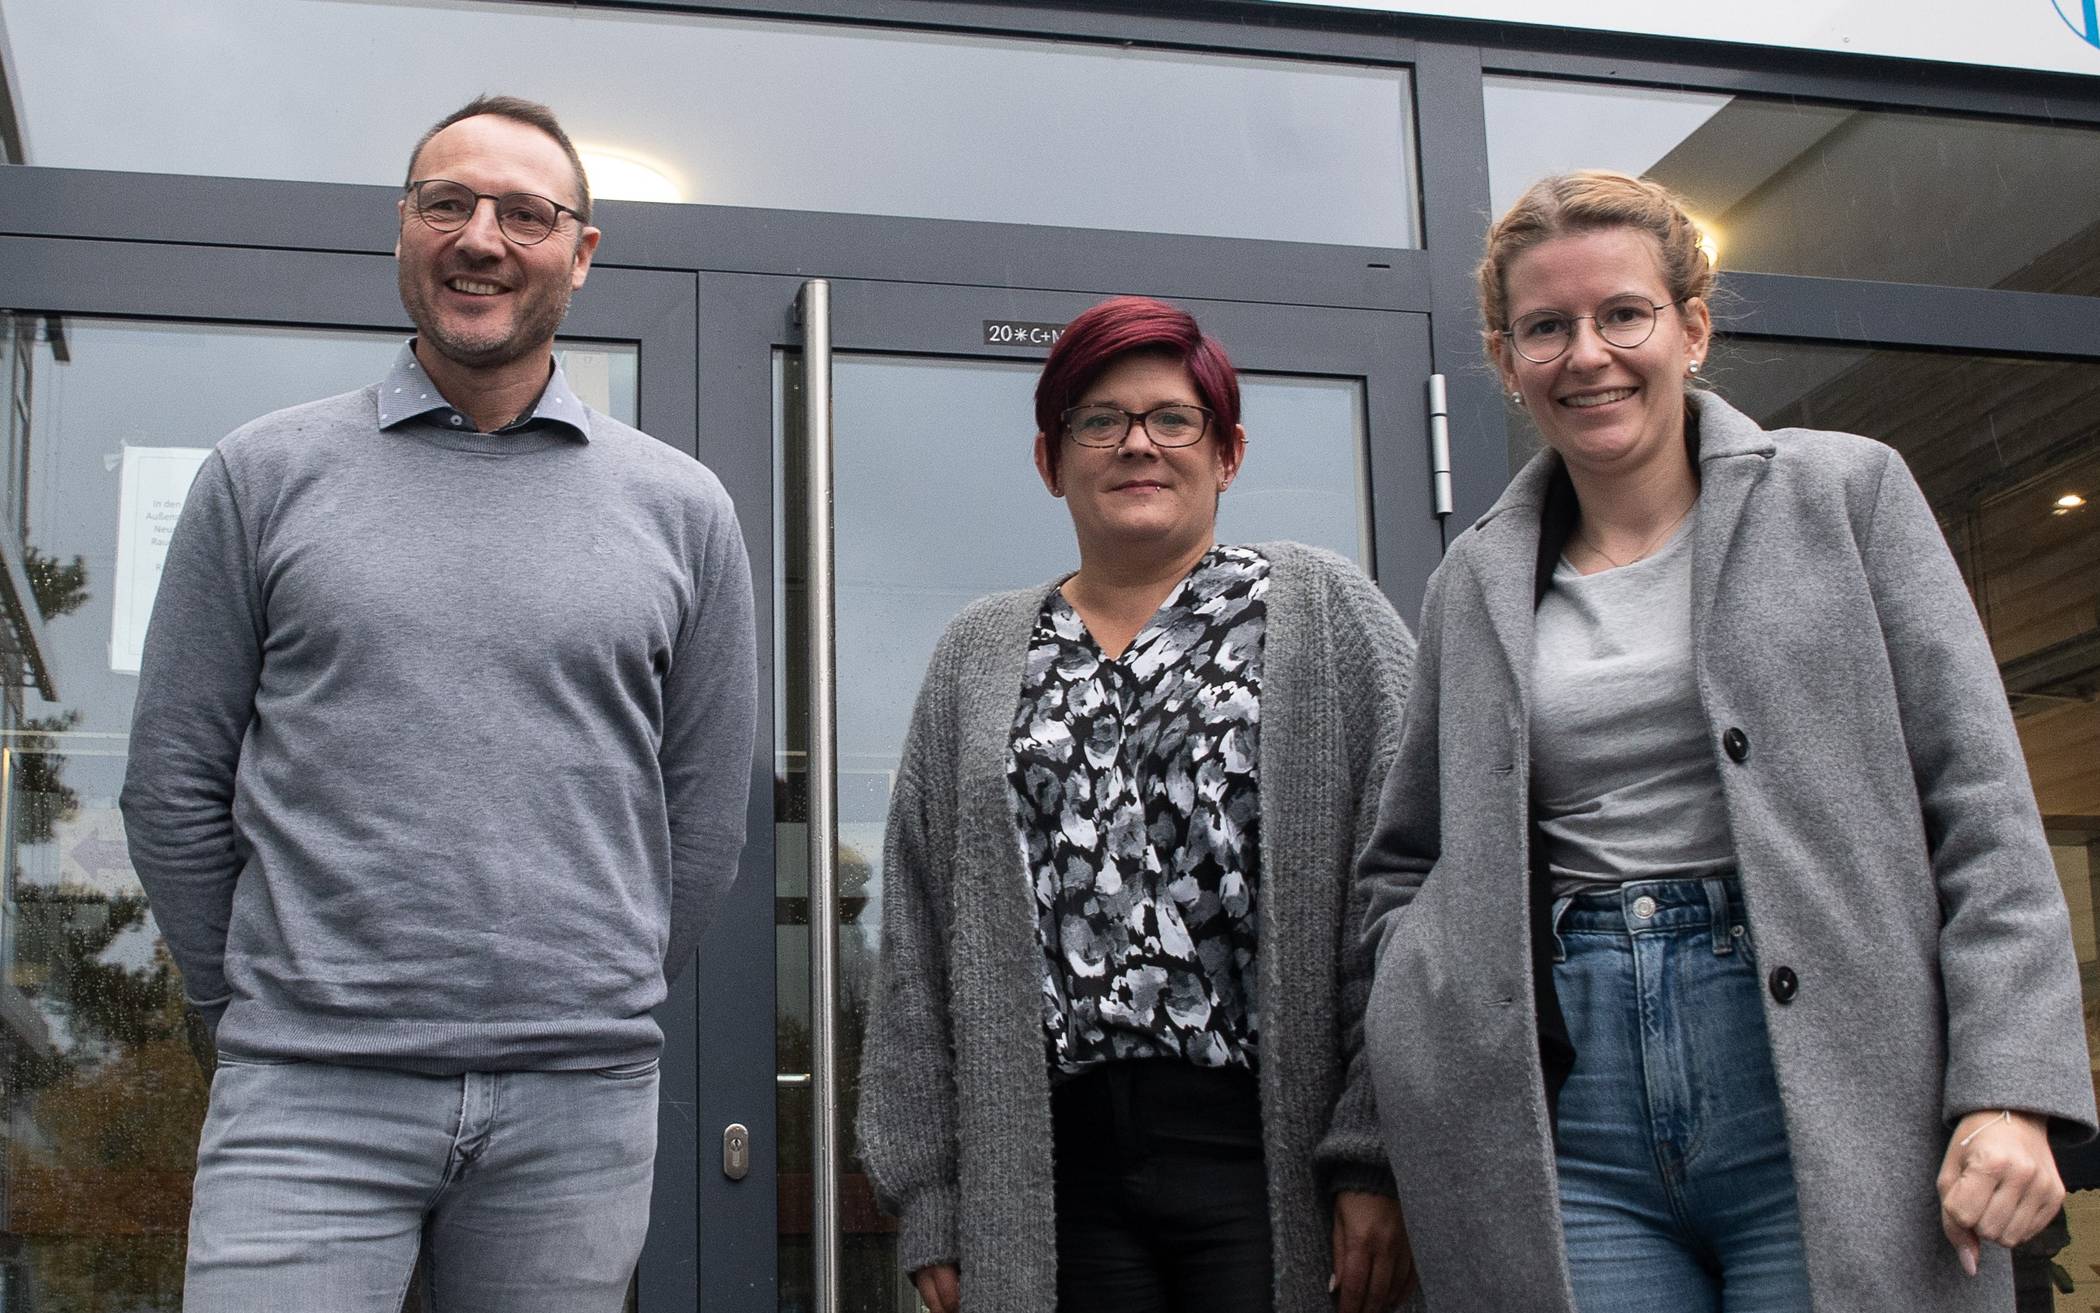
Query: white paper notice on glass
point(154, 483)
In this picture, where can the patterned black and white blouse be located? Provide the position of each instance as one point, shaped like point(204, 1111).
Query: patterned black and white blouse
point(1138, 801)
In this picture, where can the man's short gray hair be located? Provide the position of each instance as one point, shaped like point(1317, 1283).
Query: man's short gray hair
point(518, 110)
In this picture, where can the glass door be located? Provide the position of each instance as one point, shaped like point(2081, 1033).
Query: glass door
point(934, 501)
point(124, 362)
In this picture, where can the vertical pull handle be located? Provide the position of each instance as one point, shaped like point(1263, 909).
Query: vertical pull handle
point(821, 639)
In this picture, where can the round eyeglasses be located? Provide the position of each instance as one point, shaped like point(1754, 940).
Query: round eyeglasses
point(527, 218)
point(1623, 321)
point(1107, 426)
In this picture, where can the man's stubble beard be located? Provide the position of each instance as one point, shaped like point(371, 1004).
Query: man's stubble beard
point(534, 329)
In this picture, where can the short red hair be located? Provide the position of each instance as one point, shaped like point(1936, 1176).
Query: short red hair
point(1133, 325)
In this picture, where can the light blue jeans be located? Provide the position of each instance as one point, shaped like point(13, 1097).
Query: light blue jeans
point(317, 1185)
point(1676, 1185)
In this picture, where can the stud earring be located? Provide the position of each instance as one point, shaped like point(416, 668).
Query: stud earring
point(1692, 369)
point(1516, 399)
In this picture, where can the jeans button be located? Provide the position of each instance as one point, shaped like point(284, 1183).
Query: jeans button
point(1644, 907)
point(1784, 983)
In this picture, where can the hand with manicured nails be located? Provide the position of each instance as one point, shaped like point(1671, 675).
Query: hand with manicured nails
point(1374, 1269)
point(1997, 1183)
point(940, 1287)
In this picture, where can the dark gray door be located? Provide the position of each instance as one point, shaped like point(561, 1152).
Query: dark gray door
point(124, 359)
point(934, 501)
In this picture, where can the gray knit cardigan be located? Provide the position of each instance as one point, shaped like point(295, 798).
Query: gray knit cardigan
point(954, 1117)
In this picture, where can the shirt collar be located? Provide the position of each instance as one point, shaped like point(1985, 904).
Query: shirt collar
point(407, 393)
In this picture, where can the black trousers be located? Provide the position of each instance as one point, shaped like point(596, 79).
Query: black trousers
point(1162, 1193)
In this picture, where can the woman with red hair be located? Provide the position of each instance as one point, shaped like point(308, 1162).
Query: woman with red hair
point(1105, 1063)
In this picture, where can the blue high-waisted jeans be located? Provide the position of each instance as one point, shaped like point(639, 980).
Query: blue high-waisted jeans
point(1676, 1186)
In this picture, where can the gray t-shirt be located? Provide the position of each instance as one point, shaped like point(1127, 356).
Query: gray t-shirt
point(1623, 781)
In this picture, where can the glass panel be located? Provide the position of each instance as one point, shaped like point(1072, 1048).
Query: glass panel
point(793, 116)
point(606, 377)
point(105, 423)
point(1834, 191)
point(908, 492)
point(2004, 449)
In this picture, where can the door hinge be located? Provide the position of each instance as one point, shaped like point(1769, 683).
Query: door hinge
point(1440, 444)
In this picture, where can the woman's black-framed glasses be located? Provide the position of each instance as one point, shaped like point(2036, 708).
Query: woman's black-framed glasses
point(1107, 426)
point(527, 218)
point(1623, 321)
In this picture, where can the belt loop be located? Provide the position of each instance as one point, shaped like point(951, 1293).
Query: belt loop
point(1718, 918)
point(1553, 918)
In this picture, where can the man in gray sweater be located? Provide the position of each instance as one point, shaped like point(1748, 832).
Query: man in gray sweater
point(440, 763)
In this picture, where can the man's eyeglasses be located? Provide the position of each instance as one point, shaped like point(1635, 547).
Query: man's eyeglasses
point(1107, 426)
point(1623, 321)
point(527, 218)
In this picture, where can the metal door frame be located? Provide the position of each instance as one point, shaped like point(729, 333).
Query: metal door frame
point(752, 317)
point(1388, 349)
point(654, 310)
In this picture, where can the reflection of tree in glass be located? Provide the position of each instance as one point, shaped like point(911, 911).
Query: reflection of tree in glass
point(855, 870)
point(43, 798)
point(791, 1048)
point(59, 588)
point(105, 1109)
point(102, 1191)
point(868, 1250)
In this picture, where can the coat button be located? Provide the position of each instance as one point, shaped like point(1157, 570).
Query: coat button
point(1736, 744)
point(1785, 984)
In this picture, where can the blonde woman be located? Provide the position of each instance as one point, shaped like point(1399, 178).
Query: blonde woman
point(1723, 964)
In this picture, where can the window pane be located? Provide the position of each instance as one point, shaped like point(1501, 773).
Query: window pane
point(937, 503)
point(786, 115)
point(1833, 191)
point(105, 423)
point(937, 508)
point(2004, 449)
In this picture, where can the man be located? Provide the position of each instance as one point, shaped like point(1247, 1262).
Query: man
point(440, 761)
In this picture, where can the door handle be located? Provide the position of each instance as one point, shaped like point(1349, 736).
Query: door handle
point(815, 306)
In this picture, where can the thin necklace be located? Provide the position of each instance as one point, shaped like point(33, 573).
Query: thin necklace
point(1646, 547)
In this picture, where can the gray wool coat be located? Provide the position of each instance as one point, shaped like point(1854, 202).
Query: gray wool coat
point(1890, 855)
point(954, 1114)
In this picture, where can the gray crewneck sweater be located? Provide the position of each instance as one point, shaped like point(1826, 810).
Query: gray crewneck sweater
point(443, 739)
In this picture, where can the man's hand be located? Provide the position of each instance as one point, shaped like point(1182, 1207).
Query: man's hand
point(1373, 1267)
point(940, 1287)
point(1998, 1182)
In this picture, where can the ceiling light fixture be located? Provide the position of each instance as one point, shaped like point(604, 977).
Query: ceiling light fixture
point(616, 176)
point(1709, 241)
